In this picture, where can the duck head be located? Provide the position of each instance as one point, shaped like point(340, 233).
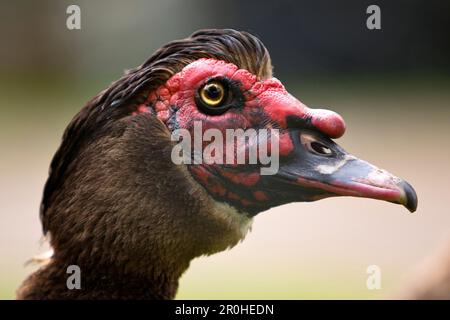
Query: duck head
point(224, 114)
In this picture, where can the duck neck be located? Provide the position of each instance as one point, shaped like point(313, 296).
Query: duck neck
point(67, 279)
point(130, 219)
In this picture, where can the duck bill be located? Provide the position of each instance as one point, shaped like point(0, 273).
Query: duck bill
point(358, 178)
point(338, 173)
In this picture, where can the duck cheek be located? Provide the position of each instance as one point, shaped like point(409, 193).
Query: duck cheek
point(241, 189)
point(208, 180)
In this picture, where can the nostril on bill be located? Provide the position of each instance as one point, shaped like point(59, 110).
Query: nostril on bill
point(313, 145)
point(321, 149)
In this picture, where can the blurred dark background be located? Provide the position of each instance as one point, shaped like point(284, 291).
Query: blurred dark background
point(304, 37)
point(330, 37)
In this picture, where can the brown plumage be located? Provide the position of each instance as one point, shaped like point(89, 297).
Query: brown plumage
point(108, 204)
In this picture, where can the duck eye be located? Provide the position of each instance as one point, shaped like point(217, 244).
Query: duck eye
point(213, 94)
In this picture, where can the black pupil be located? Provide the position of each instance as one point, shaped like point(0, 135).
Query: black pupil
point(213, 92)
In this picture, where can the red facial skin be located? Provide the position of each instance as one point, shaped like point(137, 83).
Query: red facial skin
point(266, 105)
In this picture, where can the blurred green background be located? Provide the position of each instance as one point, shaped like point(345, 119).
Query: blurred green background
point(391, 86)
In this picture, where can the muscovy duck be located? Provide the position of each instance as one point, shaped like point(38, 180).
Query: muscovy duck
point(118, 207)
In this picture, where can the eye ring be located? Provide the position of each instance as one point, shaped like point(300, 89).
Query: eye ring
point(213, 94)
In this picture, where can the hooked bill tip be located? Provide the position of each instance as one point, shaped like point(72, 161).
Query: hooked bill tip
point(410, 198)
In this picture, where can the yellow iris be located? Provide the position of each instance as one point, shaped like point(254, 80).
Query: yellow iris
point(213, 94)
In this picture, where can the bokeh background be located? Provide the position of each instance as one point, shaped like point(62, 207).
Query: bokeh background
point(390, 85)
